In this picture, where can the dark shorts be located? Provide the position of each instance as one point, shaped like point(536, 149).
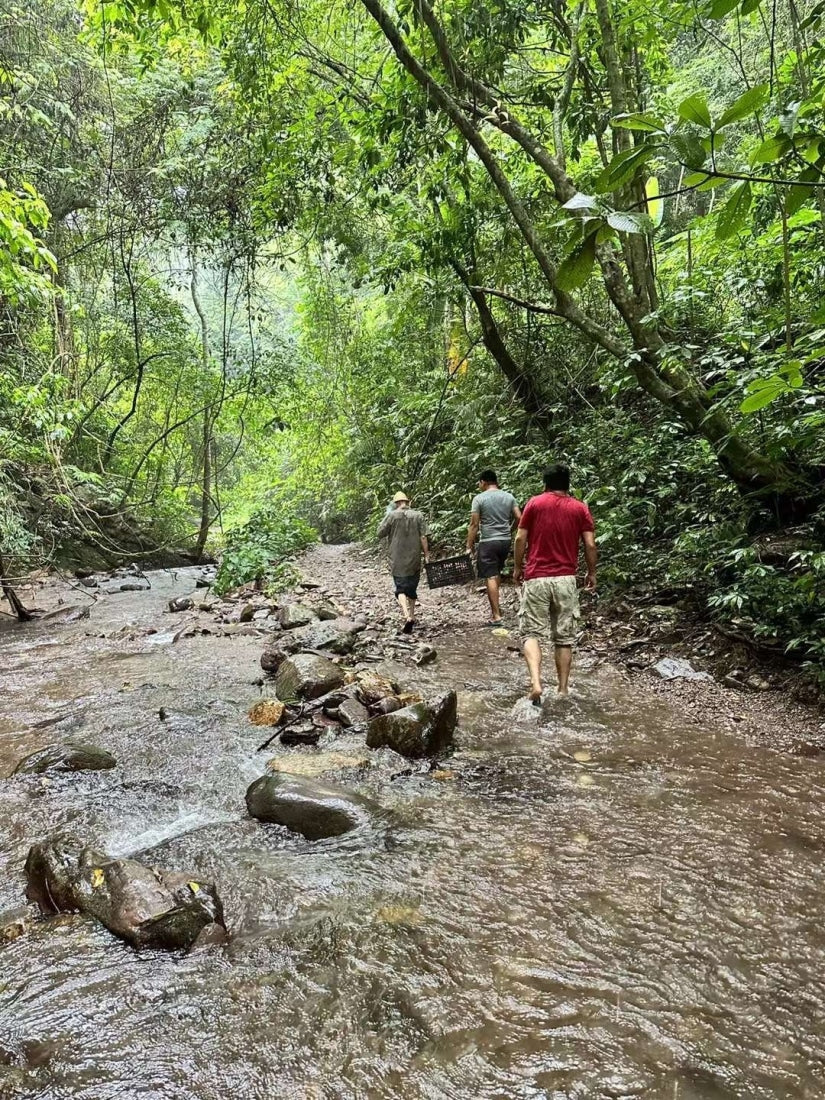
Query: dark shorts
point(491, 557)
point(407, 586)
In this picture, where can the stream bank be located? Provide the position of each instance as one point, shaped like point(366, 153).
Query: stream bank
point(619, 897)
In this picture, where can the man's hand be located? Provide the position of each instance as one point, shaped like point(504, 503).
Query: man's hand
point(590, 581)
point(518, 576)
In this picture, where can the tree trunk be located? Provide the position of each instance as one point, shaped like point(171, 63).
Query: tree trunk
point(522, 384)
point(14, 600)
point(206, 438)
point(206, 489)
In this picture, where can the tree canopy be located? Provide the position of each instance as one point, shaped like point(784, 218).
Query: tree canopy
point(275, 260)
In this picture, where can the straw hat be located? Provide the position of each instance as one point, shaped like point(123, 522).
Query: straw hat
point(399, 497)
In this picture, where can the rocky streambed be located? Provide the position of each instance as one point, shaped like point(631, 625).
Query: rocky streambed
point(426, 888)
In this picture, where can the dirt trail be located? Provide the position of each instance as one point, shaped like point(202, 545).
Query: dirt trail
point(358, 579)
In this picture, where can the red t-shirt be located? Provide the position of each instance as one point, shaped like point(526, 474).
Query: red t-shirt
point(554, 525)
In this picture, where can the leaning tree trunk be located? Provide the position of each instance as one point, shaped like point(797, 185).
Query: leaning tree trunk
point(14, 600)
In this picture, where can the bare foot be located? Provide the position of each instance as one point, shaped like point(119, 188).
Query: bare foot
point(534, 695)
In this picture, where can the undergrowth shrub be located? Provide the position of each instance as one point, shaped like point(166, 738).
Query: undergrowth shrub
point(260, 549)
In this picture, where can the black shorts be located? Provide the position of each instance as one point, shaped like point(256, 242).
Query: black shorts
point(492, 556)
point(407, 586)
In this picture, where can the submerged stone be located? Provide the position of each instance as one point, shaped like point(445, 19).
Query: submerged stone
point(66, 758)
point(16, 922)
point(303, 806)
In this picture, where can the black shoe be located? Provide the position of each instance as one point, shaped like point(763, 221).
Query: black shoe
point(408, 627)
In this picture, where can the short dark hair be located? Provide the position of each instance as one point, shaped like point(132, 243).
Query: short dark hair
point(488, 475)
point(557, 477)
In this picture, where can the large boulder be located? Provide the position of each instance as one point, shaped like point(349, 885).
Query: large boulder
point(66, 758)
point(306, 676)
point(296, 614)
point(140, 904)
point(421, 729)
point(304, 806)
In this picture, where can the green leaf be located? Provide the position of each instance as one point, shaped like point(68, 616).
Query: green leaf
point(792, 373)
point(627, 222)
point(580, 202)
point(623, 167)
point(720, 8)
point(749, 6)
point(575, 270)
point(690, 150)
point(704, 181)
point(655, 205)
point(747, 104)
point(647, 124)
point(770, 150)
point(760, 398)
point(695, 109)
point(734, 212)
point(799, 195)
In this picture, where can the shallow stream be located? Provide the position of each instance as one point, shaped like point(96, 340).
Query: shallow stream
point(606, 903)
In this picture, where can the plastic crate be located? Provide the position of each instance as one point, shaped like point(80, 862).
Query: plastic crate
point(447, 571)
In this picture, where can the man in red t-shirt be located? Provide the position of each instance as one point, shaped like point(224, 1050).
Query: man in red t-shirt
point(550, 529)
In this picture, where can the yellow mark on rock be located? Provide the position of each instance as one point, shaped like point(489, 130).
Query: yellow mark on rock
point(194, 887)
point(585, 781)
point(97, 878)
point(582, 755)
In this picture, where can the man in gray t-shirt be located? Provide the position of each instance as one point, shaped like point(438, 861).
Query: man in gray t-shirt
point(493, 514)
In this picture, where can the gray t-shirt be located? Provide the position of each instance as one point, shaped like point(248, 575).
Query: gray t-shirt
point(404, 528)
point(495, 506)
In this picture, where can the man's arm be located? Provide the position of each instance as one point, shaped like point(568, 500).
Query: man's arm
point(591, 556)
point(516, 514)
point(384, 525)
point(422, 533)
point(472, 532)
point(520, 547)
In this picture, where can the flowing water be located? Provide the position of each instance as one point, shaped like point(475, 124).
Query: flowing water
point(608, 902)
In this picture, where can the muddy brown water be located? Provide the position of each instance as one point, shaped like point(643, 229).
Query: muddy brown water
point(605, 903)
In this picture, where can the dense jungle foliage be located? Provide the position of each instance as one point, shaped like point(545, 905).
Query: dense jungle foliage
point(264, 263)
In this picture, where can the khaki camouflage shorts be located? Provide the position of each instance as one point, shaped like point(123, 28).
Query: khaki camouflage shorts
point(550, 609)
